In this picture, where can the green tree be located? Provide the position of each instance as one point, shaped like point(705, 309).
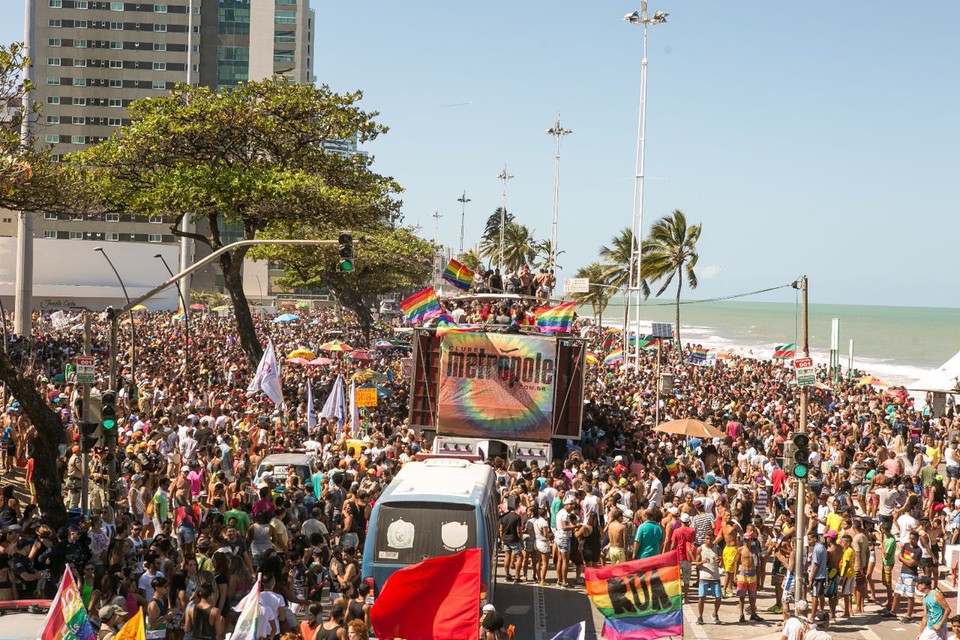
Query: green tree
point(598, 296)
point(490, 240)
point(544, 257)
point(388, 260)
point(519, 246)
point(669, 251)
point(471, 260)
point(252, 155)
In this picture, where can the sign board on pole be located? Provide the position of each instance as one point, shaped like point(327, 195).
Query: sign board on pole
point(806, 372)
point(366, 397)
point(576, 285)
point(85, 370)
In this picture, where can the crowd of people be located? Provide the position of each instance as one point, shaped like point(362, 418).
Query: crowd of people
point(180, 520)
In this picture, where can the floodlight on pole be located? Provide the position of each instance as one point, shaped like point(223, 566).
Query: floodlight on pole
point(558, 132)
point(504, 177)
point(463, 200)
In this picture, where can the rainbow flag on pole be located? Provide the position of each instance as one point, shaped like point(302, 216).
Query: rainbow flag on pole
point(614, 356)
point(641, 600)
point(181, 312)
point(458, 275)
point(67, 618)
point(556, 319)
point(421, 305)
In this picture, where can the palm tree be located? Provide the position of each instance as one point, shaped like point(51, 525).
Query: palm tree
point(619, 261)
point(544, 257)
point(471, 260)
point(669, 251)
point(519, 246)
point(598, 297)
point(490, 240)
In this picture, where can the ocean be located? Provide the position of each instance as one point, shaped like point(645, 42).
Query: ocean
point(897, 344)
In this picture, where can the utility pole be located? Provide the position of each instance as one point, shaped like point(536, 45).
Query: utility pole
point(558, 132)
point(463, 200)
point(436, 225)
point(504, 177)
point(798, 575)
point(84, 420)
point(23, 305)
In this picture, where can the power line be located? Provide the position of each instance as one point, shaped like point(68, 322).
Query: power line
point(719, 299)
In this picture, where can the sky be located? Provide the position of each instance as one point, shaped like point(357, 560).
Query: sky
point(816, 139)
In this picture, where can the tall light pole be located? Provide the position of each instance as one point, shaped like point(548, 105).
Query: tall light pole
point(504, 177)
point(436, 225)
point(463, 200)
point(186, 316)
point(185, 242)
point(23, 303)
point(558, 132)
point(132, 394)
point(642, 19)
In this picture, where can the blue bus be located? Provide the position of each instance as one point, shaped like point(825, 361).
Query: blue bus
point(435, 507)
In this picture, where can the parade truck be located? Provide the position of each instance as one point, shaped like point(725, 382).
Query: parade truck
point(501, 392)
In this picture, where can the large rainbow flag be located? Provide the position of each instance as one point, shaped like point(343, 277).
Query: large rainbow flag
point(421, 305)
point(641, 600)
point(556, 319)
point(458, 275)
point(67, 618)
point(614, 356)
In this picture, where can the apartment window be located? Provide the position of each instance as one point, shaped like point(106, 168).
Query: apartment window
point(52, 138)
point(55, 4)
point(154, 237)
point(80, 44)
point(159, 85)
point(116, 64)
point(116, 84)
point(286, 17)
point(79, 62)
point(159, 46)
point(49, 233)
point(49, 216)
point(76, 235)
point(53, 99)
point(77, 140)
point(53, 42)
point(80, 24)
point(115, 102)
point(80, 4)
point(55, 23)
point(155, 219)
point(285, 37)
point(113, 237)
point(113, 122)
point(53, 80)
point(159, 8)
point(289, 2)
point(159, 66)
point(79, 120)
point(53, 62)
point(53, 120)
point(79, 82)
point(283, 56)
point(116, 26)
point(116, 6)
point(79, 102)
point(112, 217)
point(160, 28)
point(115, 44)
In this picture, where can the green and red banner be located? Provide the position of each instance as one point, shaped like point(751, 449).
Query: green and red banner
point(497, 386)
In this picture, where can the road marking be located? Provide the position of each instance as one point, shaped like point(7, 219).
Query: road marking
point(698, 631)
point(540, 613)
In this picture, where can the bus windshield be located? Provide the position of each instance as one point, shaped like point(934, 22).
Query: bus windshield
point(407, 531)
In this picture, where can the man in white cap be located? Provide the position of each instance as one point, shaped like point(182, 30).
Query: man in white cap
point(682, 539)
point(563, 534)
point(798, 622)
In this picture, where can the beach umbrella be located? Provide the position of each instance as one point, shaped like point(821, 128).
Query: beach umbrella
point(301, 361)
point(201, 307)
point(359, 354)
point(288, 303)
point(286, 317)
point(301, 353)
point(320, 361)
point(136, 321)
point(872, 381)
point(383, 344)
point(690, 428)
point(335, 345)
point(138, 307)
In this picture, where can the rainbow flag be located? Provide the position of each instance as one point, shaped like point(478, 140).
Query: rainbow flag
point(421, 305)
point(702, 357)
point(784, 351)
point(592, 358)
point(181, 312)
point(446, 324)
point(556, 319)
point(673, 467)
point(614, 356)
point(67, 618)
point(641, 600)
point(458, 275)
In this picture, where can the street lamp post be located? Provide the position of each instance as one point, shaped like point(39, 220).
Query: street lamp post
point(463, 200)
point(23, 305)
point(504, 177)
point(558, 132)
point(132, 392)
point(640, 18)
point(436, 225)
point(186, 317)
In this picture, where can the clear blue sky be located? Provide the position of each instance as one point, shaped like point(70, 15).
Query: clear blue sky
point(816, 138)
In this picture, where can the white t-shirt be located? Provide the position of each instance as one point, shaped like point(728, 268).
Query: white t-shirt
point(270, 604)
point(656, 493)
point(563, 518)
point(905, 524)
point(950, 457)
point(792, 627)
point(144, 584)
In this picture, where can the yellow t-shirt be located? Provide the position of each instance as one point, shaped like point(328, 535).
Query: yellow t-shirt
point(934, 453)
point(848, 568)
point(834, 520)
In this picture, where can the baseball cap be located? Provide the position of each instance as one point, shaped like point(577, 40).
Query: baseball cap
point(185, 468)
point(569, 499)
point(684, 517)
point(830, 534)
point(110, 610)
point(803, 605)
point(673, 511)
point(821, 616)
point(487, 608)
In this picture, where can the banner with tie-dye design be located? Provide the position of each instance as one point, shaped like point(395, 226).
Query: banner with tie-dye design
point(497, 386)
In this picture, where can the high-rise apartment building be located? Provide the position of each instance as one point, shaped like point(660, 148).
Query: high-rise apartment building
point(92, 58)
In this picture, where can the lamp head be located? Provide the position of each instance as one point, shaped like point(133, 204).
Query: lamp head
point(633, 18)
point(159, 256)
point(100, 249)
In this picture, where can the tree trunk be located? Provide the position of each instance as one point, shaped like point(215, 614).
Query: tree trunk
point(676, 327)
point(360, 307)
point(233, 283)
point(49, 437)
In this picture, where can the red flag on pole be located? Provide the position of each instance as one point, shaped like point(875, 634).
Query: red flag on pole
point(437, 599)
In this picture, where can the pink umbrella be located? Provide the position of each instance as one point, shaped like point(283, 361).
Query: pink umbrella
point(302, 361)
point(359, 354)
point(321, 361)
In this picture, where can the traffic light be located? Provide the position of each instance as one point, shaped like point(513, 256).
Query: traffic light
point(89, 435)
point(346, 251)
point(108, 410)
point(801, 455)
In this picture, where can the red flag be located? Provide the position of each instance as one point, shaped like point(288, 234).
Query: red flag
point(437, 599)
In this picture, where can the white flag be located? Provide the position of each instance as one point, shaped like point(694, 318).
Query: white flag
point(335, 407)
point(249, 610)
point(311, 415)
point(354, 412)
point(270, 382)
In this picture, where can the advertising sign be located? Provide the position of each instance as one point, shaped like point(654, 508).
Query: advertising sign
point(497, 386)
point(366, 397)
point(806, 372)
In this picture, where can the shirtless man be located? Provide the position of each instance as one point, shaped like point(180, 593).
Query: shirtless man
point(180, 489)
point(617, 533)
point(745, 565)
point(730, 535)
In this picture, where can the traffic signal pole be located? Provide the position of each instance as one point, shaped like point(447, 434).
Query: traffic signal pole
point(799, 577)
point(84, 419)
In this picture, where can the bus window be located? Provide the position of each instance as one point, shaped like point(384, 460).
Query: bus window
point(407, 532)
